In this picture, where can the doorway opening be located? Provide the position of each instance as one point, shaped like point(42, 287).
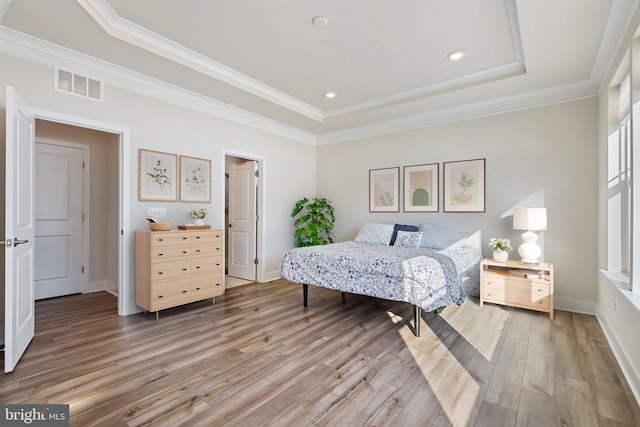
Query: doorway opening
point(76, 223)
point(243, 204)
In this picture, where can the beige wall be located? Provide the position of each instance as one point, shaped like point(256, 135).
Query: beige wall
point(539, 157)
point(103, 206)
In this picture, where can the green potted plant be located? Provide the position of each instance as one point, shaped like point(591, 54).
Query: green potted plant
point(501, 248)
point(198, 215)
point(315, 225)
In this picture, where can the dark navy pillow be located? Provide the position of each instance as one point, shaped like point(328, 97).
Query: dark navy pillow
point(400, 227)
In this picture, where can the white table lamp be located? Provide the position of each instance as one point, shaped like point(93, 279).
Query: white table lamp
point(529, 219)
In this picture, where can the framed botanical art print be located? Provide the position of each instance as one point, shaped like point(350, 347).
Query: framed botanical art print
point(157, 176)
point(464, 186)
point(421, 188)
point(384, 189)
point(195, 179)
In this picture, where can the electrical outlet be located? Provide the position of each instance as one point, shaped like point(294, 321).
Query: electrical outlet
point(157, 212)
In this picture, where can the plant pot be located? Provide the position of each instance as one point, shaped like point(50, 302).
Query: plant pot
point(500, 256)
point(198, 221)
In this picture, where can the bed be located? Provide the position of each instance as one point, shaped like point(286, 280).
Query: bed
point(426, 266)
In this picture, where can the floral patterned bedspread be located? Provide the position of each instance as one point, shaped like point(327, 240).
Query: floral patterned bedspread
point(425, 277)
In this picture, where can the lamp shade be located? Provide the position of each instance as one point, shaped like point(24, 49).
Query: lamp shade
point(530, 219)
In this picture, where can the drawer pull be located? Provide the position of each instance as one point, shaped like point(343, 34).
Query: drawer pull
point(160, 272)
point(159, 296)
point(197, 289)
point(184, 292)
point(197, 267)
point(184, 269)
point(184, 252)
point(160, 240)
point(217, 263)
point(197, 237)
point(160, 254)
point(197, 250)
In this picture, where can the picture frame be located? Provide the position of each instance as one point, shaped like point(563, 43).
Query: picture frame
point(384, 190)
point(464, 185)
point(195, 179)
point(157, 176)
point(421, 188)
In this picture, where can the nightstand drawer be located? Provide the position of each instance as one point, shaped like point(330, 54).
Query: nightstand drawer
point(521, 293)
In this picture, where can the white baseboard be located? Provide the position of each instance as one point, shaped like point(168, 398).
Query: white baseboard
point(629, 371)
point(575, 305)
point(271, 275)
point(103, 285)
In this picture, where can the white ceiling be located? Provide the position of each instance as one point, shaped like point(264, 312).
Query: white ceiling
point(265, 62)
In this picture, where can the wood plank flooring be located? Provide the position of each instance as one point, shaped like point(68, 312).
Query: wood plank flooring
point(258, 358)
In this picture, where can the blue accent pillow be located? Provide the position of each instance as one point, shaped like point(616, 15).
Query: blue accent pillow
point(441, 238)
point(400, 227)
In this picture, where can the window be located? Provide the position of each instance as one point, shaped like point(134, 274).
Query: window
point(619, 176)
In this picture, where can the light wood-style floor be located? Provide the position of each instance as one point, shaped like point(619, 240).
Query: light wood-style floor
point(257, 357)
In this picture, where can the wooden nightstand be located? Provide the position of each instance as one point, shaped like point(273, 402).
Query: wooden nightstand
point(516, 284)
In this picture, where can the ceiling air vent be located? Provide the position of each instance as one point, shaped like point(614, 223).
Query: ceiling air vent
point(76, 84)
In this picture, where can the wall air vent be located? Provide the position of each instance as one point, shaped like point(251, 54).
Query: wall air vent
point(76, 84)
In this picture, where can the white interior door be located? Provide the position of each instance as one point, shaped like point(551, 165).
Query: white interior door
point(19, 230)
point(59, 216)
point(242, 220)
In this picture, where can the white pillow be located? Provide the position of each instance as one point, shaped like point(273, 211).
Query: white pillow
point(408, 239)
point(372, 232)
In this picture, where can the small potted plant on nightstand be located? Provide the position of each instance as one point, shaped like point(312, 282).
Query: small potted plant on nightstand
point(198, 215)
point(501, 248)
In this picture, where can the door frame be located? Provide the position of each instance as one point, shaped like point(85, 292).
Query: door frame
point(86, 172)
point(125, 280)
point(260, 202)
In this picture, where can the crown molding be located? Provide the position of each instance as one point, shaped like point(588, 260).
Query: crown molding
point(136, 35)
point(41, 52)
point(622, 13)
point(568, 92)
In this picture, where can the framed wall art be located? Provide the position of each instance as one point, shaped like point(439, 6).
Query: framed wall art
point(384, 189)
point(157, 176)
point(420, 192)
point(464, 186)
point(195, 179)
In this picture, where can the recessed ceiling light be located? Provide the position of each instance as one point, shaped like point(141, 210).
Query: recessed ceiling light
point(330, 94)
point(456, 55)
point(319, 21)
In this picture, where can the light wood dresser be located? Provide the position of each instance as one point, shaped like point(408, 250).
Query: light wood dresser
point(516, 284)
point(177, 267)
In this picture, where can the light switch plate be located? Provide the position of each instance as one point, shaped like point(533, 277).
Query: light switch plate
point(157, 212)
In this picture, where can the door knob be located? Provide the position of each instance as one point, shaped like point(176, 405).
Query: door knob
point(229, 225)
point(17, 241)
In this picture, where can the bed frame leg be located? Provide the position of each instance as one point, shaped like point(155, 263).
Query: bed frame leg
point(305, 294)
point(417, 311)
point(344, 297)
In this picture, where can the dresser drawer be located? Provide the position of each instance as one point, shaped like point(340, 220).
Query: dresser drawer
point(168, 238)
point(206, 285)
point(162, 253)
point(170, 269)
point(517, 292)
point(169, 293)
point(198, 250)
point(207, 237)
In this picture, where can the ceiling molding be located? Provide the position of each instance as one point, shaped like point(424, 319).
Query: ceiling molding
point(41, 52)
point(571, 91)
point(136, 35)
point(622, 13)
